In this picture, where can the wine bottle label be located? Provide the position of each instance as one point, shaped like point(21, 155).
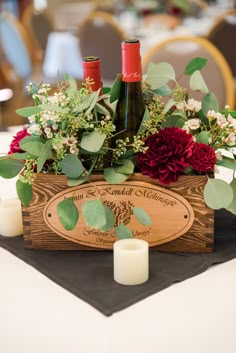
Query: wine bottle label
point(131, 61)
point(91, 69)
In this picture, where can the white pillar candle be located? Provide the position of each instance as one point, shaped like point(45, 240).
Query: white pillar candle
point(11, 223)
point(131, 261)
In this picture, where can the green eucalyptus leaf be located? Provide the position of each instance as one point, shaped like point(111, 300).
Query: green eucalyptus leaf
point(68, 213)
point(9, 168)
point(127, 166)
point(203, 137)
point(92, 141)
point(160, 74)
point(113, 177)
point(86, 102)
point(123, 232)
point(146, 117)
point(163, 91)
point(115, 89)
point(232, 206)
point(106, 90)
point(32, 145)
point(226, 162)
point(28, 111)
point(173, 120)
point(54, 108)
point(210, 102)
point(71, 166)
point(79, 181)
point(22, 156)
point(197, 82)
point(24, 192)
point(218, 194)
point(110, 219)
point(194, 65)
point(45, 154)
point(151, 66)
point(95, 96)
point(142, 216)
point(101, 109)
point(180, 123)
point(94, 213)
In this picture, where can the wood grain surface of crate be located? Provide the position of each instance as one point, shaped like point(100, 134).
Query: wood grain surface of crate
point(181, 221)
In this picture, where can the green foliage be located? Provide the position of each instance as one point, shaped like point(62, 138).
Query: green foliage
point(194, 65)
point(94, 213)
point(110, 219)
point(218, 194)
point(160, 74)
point(115, 89)
point(24, 192)
point(123, 232)
point(92, 141)
point(142, 216)
point(232, 206)
point(113, 177)
point(28, 111)
point(9, 168)
point(68, 213)
point(197, 82)
point(72, 166)
point(44, 155)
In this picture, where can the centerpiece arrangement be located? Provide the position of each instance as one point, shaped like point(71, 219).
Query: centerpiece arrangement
point(73, 166)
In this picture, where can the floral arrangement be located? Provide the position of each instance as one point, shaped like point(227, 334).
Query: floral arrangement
point(70, 132)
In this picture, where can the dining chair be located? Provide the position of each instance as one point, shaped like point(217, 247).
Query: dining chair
point(222, 35)
point(179, 50)
point(39, 24)
point(16, 45)
point(100, 35)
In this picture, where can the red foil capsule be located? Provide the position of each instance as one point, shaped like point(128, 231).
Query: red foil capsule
point(131, 61)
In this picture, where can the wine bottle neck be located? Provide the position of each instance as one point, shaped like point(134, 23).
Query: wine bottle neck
point(131, 62)
point(91, 69)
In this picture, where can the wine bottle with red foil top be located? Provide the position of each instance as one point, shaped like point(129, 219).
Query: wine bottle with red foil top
point(91, 70)
point(130, 106)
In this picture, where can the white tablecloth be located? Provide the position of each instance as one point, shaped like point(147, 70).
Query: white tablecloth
point(38, 316)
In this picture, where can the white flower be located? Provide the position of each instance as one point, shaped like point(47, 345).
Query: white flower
point(193, 124)
point(230, 139)
point(34, 129)
point(193, 105)
point(31, 119)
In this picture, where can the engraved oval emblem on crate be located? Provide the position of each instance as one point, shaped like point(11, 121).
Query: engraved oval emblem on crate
point(171, 214)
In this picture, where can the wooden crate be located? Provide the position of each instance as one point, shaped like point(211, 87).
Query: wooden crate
point(181, 220)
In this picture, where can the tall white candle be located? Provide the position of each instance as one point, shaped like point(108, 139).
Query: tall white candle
point(131, 261)
point(11, 223)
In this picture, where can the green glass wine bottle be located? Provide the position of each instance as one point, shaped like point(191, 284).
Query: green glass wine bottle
point(130, 106)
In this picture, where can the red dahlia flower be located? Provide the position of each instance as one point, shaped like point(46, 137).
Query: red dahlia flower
point(14, 146)
point(167, 155)
point(203, 158)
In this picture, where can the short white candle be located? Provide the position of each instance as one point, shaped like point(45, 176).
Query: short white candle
point(11, 223)
point(131, 261)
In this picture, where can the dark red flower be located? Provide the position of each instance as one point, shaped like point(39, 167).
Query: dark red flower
point(167, 155)
point(203, 158)
point(14, 146)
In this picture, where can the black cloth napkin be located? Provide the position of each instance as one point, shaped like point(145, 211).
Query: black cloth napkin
point(89, 274)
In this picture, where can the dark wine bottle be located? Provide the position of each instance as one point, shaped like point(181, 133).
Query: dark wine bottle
point(130, 106)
